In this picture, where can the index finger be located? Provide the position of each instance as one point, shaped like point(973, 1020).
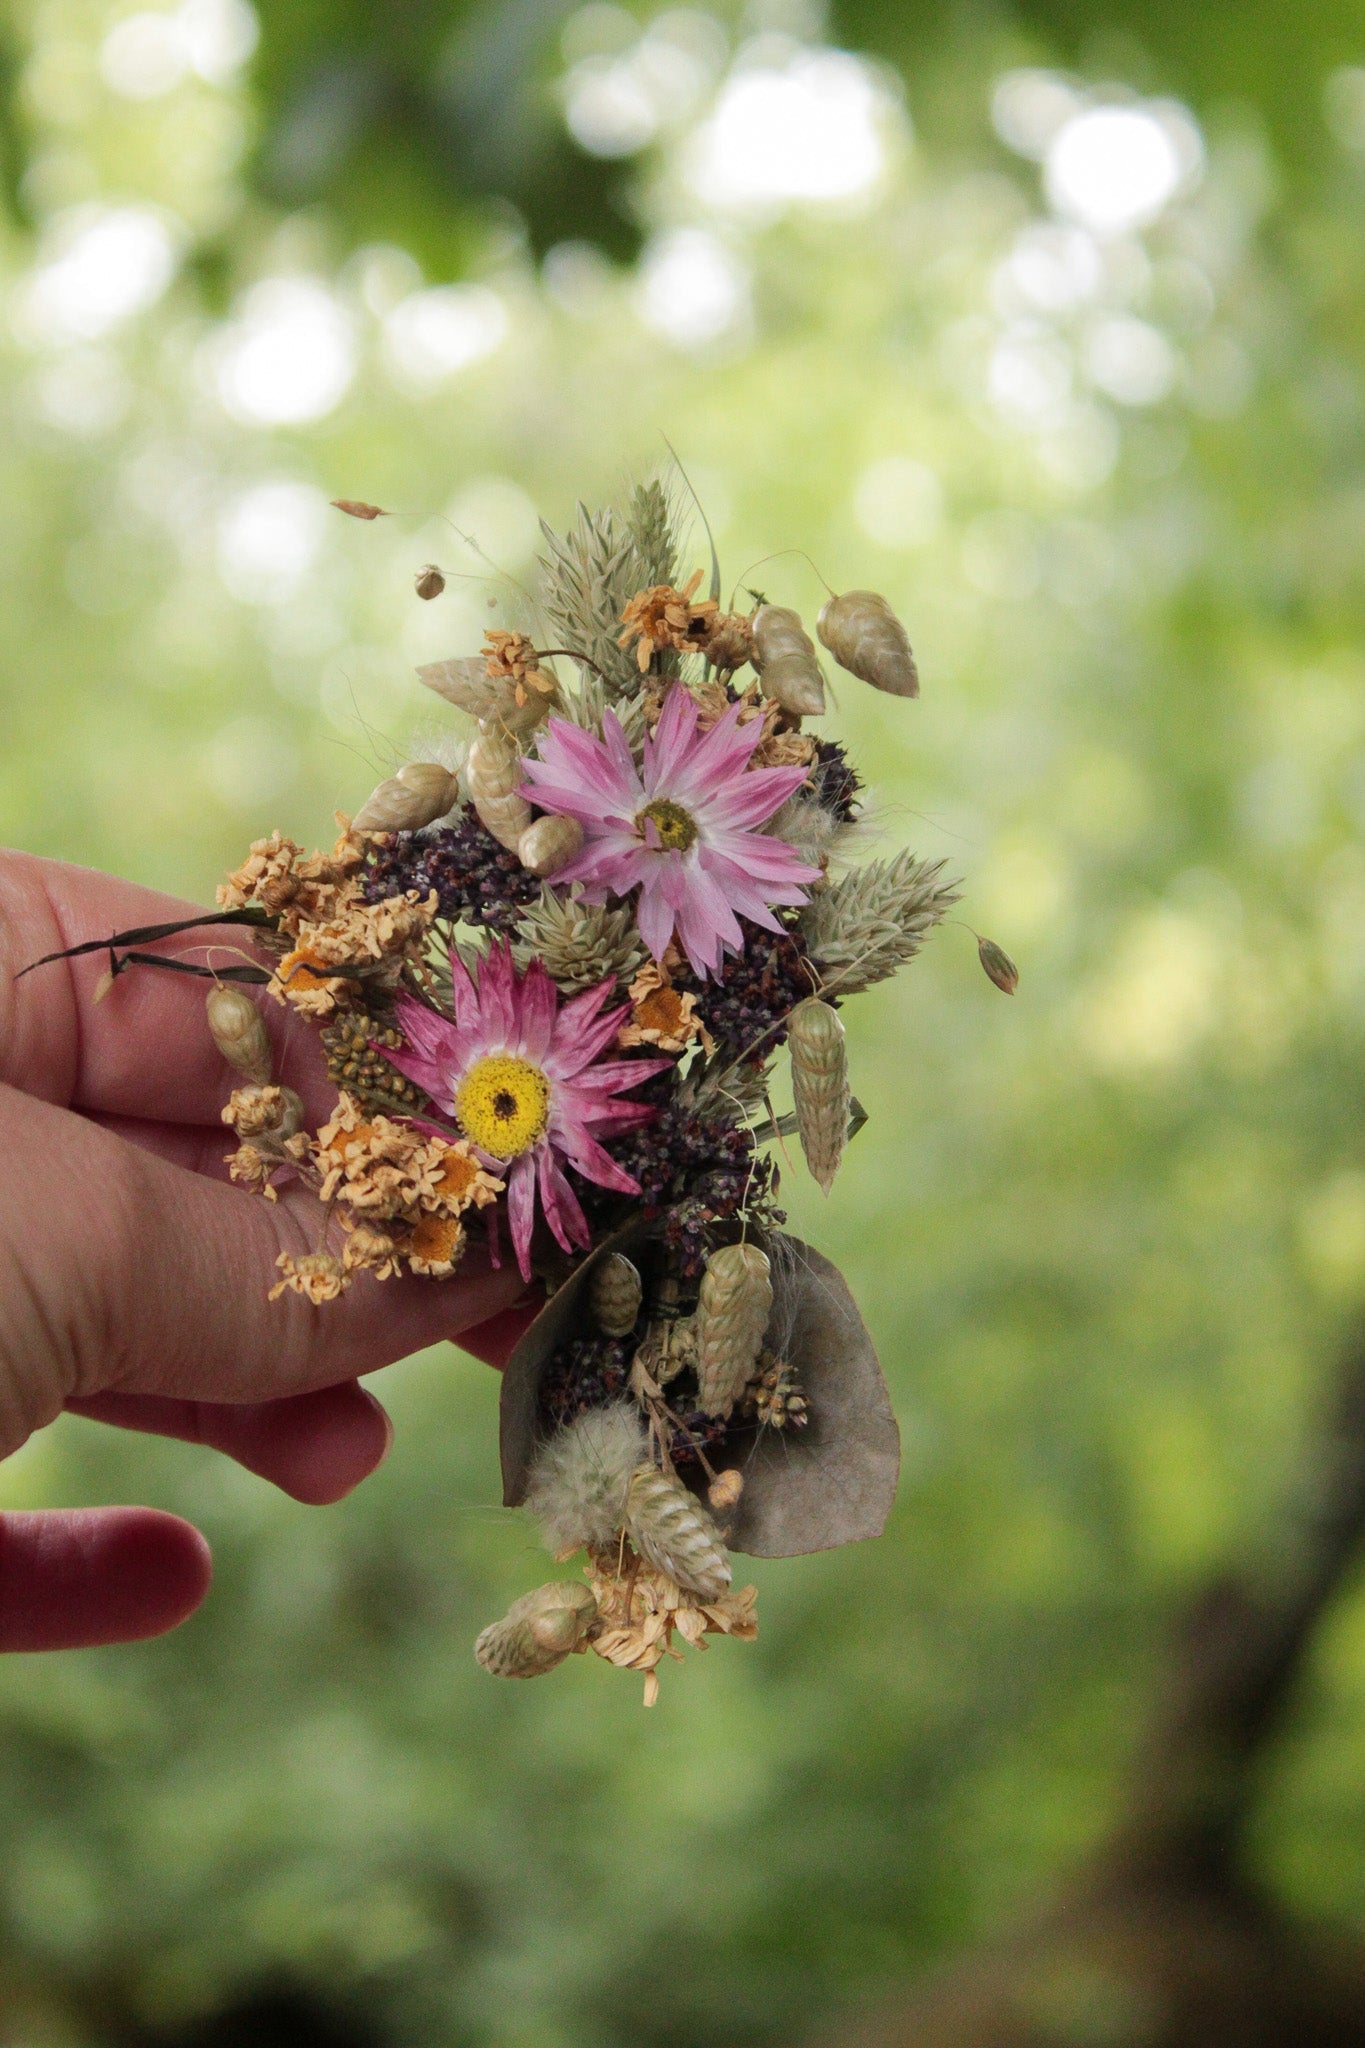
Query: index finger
point(143, 1052)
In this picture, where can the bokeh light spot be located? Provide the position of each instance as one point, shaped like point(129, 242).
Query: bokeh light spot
point(289, 356)
point(1113, 168)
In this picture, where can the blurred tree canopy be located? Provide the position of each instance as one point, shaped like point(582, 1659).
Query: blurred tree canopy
point(1086, 400)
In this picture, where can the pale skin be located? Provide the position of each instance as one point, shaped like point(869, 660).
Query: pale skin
point(134, 1276)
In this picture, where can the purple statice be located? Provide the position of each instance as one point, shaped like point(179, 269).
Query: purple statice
point(746, 1005)
point(697, 1170)
point(477, 880)
point(833, 783)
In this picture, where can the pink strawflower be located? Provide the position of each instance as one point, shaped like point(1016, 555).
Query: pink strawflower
point(520, 1075)
point(681, 829)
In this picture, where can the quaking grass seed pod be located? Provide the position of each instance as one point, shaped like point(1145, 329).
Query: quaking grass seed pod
point(819, 1056)
point(239, 1032)
point(614, 1295)
point(732, 1315)
point(494, 773)
point(538, 1631)
point(672, 1531)
point(998, 965)
point(784, 656)
point(466, 683)
point(864, 635)
point(549, 843)
point(417, 794)
point(429, 582)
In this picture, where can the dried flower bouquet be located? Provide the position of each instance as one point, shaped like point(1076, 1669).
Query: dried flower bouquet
point(552, 973)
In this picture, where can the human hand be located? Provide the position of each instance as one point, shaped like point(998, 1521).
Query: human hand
point(133, 1276)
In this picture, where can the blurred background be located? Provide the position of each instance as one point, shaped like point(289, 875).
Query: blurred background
point(1049, 321)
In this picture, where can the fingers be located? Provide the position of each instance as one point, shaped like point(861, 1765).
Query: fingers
point(198, 1148)
point(145, 1051)
point(317, 1446)
point(495, 1340)
point(169, 1295)
point(77, 1577)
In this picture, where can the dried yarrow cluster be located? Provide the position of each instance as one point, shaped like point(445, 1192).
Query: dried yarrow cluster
point(554, 987)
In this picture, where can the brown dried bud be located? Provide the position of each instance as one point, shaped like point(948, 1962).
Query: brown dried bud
point(356, 508)
point(264, 1111)
point(998, 965)
point(725, 1489)
point(239, 1032)
point(368, 1245)
point(731, 643)
point(429, 582)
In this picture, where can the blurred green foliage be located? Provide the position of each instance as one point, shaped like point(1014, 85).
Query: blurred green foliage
point(1104, 1233)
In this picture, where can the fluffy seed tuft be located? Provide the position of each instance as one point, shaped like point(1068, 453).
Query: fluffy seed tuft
point(581, 1476)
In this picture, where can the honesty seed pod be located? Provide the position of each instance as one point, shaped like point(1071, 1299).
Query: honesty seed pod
point(672, 1531)
point(429, 582)
point(804, 1489)
point(819, 1058)
point(998, 965)
point(239, 1032)
point(494, 775)
point(550, 843)
point(417, 794)
point(732, 1315)
point(538, 1631)
point(784, 656)
point(615, 1293)
point(864, 635)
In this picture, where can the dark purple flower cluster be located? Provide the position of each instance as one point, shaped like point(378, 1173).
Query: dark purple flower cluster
point(587, 1372)
point(834, 784)
point(477, 880)
point(745, 1006)
point(699, 1171)
point(698, 1431)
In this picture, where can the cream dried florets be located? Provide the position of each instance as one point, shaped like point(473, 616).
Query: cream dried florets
point(293, 886)
point(316, 1275)
point(372, 941)
point(512, 657)
point(662, 617)
point(640, 1610)
point(374, 1163)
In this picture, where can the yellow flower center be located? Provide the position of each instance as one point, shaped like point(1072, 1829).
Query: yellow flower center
point(503, 1103)
point(677, 828)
